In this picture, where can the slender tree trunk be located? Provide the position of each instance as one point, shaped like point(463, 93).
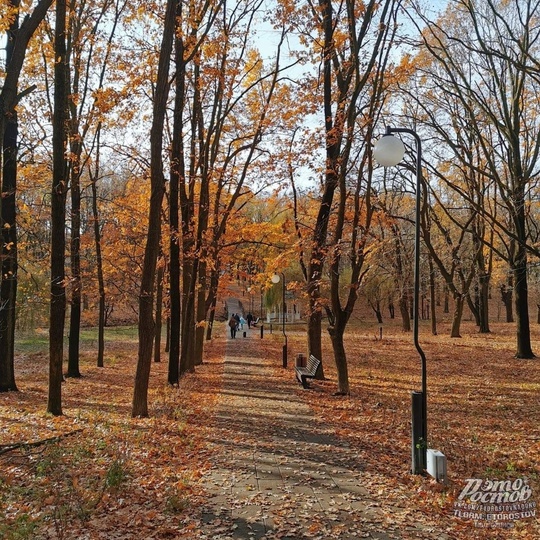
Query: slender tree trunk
point(405, 311)
point(58, 215)
point(201, 315)
point(9, 266)
point(8, 276)
point(432, 296)
point(507, 296)
point(188, 306)
point(187, 349)
point(403, 302)
point(336, 336)
point(474, 305)
point(15, 50)
point(333, 141)
point(146, 303)
point(99, 256)
point(177, 171)
point(446, 306)
point(159, 311)
point(524, 349)
point(483, 306)
point(376, 307)
point(458, 313)
point(75, 251)
point(212, 301)
point(519, 266)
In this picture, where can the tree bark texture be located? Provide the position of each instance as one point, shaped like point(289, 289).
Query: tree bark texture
point(15, 51)
point(157, 180)
point(58, 215)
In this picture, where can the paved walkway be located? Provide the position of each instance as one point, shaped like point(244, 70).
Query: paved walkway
point(282, 473)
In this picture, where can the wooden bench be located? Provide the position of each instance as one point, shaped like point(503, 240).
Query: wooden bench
point(308, 372)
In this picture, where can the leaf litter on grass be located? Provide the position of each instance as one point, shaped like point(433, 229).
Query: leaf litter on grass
point(483, 414)
point(103, 474)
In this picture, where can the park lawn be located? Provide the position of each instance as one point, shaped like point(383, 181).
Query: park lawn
point(118, 477)
point(95, 472)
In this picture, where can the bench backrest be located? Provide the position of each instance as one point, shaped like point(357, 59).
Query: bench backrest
point(313, 364)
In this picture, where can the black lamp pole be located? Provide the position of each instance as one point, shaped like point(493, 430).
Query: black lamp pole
point(276, 279)
point(419, 399)
point(283, 324)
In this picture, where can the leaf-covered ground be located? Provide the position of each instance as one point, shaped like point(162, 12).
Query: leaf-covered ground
point(107, 476)
point(483, 414)
point(96, 473)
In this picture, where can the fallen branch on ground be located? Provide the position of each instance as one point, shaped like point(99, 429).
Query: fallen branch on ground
point(5, 448)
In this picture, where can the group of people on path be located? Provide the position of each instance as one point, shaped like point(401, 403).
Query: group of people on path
point(237, 321)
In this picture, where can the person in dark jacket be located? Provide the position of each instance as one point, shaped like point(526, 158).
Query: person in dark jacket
point(233, 325)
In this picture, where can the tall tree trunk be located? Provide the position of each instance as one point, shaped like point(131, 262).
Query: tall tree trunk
point(188, 306)
point(177, 172)
point(15, 50)
point(58, 215)
point(401, 282)
point(376, 307)
point(318, 251)
point(159, 312)
point(193, 239)
point(507, 295)
point(523, 338)
point(474, 304)
point(336, 336)
point(157, 180)
point(524, 349)
point(8, 277)
point(458, 313)
point(211, 302)
point(483, 305)
point(75, 252)
point(201, 315)
point(432, 296)
point(99, 257)
point(9, 266)
point(405, 311)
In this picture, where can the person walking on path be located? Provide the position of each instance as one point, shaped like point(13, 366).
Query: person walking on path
point(233, 325)
point(249, 319)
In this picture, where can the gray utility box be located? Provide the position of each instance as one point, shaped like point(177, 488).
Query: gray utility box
point(436, 465)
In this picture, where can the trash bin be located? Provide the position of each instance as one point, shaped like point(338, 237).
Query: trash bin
point(301, 360)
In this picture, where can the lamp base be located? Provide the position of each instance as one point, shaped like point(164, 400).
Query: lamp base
point(419, 443)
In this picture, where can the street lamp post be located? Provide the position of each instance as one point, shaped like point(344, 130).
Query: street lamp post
point(276, 279)
point(389, 151)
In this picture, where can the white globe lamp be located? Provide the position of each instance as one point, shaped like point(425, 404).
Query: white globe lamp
point(389, 151)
